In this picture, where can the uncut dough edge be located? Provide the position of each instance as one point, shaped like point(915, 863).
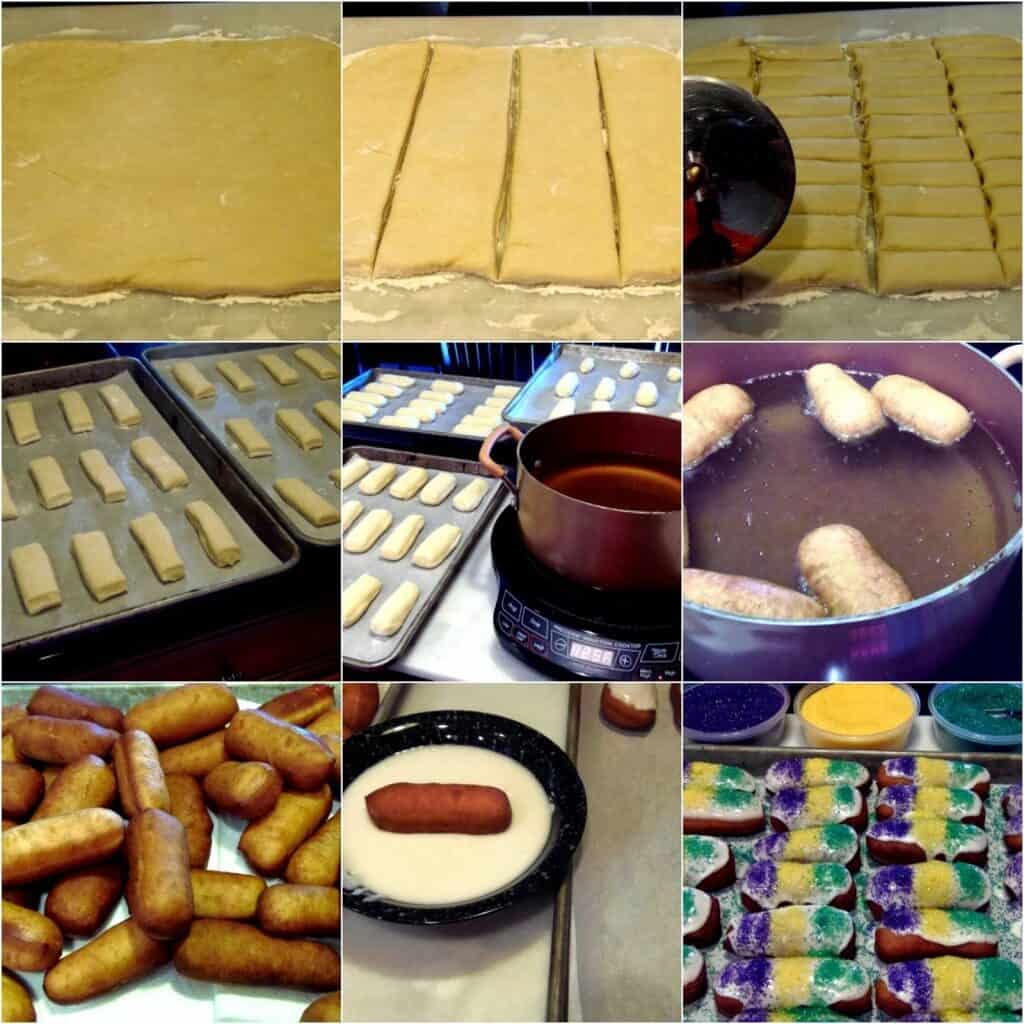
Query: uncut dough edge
point(237, 217)
point(445, 208)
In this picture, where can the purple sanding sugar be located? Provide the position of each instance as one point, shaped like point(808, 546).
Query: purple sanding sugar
point(791, 769)
point(901, 919)
point(911, 982)
point(760, 880)
point(1013, 800)
point(902, 767)
point(1013, 824)
point(788, 803)
point(893, 828)
point(748, 979)
point(1013, 874)
point(891, 886)
point(900, 798)
point(752, 933)
point(716, 707)
point(771, 847)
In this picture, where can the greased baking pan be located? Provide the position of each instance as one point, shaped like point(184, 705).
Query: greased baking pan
point(359, 647)
point(1004, 769)
point(537, 399)
point(259, 406)
point(266, 548)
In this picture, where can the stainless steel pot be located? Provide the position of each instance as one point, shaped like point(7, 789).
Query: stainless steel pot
point(610, 548)
point(907, 642)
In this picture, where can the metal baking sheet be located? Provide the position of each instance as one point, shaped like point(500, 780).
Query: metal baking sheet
point(476, 390)
point(259, 406)
point(265, 548)
point(627, 927)
point(537, 398)
point(359, 646)
point(1004, 768)
point(849, 315)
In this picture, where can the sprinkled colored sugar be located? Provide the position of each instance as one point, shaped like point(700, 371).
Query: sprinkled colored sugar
point(972, 882)
point(911, 982)
point(792, 982)
point(1000, 981)
point(715, 707)
point(953, 983)
point(829, 926)
point(970, 706)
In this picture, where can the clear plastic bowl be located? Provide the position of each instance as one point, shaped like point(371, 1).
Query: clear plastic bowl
point(889, 739)
point(955, 737)
point(760, 732)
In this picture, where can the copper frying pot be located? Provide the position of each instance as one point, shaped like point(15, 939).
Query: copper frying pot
point(597, 546)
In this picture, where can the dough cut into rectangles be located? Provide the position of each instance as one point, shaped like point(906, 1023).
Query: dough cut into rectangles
point(248, 437)
point(299, 429)
point(158, 546)
point(810, 106)
point(919, 150)
point(214, 536)
point(458, 145)
point(986, 46)
point(34, 578)
point(194, 382)
point(927, 103)
point(846, 200)
point(820, 127)
point(933, 234)
point(380, 90)
point(1001, 171)
point(906, 273)
point(828, 172)
point(841, 150)
point(330, 413)
point(124, 411)
point(278, 369)
point(76, 412)
point(560, 222)
point(102, 475)
point(10, 508)
point(22, 419)
point(831, 85)
point(910, 126)
point(100, 572)
point(984, 124)
point(819, 231)
point(958, 173)
point(162, 468)
point(310, 505)
point(1007, 229)
point(928, 201)
point(235, 376)
point(800, 51)
point(48, 477)
point(996, 146)
point(323, 368)
point(1005, 199)
point(776, 271)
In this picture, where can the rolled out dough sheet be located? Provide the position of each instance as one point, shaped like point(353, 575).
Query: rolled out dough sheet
point(196, 167)
point(444, 215)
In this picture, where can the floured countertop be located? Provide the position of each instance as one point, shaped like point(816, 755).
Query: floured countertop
point(454, 306)
point(147, 316)
point(814, 315)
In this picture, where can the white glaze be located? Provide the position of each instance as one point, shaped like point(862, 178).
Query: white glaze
point(639, 696)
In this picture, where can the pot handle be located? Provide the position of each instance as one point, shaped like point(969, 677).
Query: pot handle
point(1009, 356)
point(493, 467)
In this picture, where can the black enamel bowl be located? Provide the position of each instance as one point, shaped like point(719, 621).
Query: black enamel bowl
point(546, 761)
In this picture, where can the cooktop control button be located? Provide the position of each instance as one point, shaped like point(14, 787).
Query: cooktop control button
point(505, 624)
point(559, 643)
point(536, 623)
point(660, 652)
point(512, 606)
point(626, 660)
point(521, 637)
point(538, 646)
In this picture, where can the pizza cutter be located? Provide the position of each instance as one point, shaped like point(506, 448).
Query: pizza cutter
point(739, 175)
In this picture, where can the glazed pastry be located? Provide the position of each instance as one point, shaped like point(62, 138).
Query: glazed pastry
point(841, 985)
point(1012, 801)
point(721, 811)
point(708, 863)
point(792, 931)
point(1012, 879)
point(702, 918)
point(769, 885)
point(931, 884)
point(910, 841)
point(982, 1014)
point(794, 772)
point(819, 805)
point(695, 975)
point(704, 773)
point(910, 934)
point(930, 802)
point(948, 983)
point(797, 1014)
point(1012, 810)
point(930, 771)
point(833, 844)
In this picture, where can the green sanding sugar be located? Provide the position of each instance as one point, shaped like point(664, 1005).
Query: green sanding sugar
point(970, 706)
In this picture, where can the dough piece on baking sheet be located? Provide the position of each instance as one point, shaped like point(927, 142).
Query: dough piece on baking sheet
point(322, 368)
point(397, 543)
point(800, 51)
point(458, 143)
point(194, 382)
point(992, 104)
point(437, 546)
point(819, 231)
point(357, 597)
point(100, 572)
point(355, 469)
point(930, 103)
point(48, 477)
point(76, 412)
point(831, 85)
point(1005, 199)
point(335, 477)
point(22, 420)
point(932, 234)
point(235, 375)
point(380, 90)
point(351, 510)
point(170, 182)
point(905, 273)
point(391, 615)
point(976, 88)
point(810, 106)
point(1010, 262)
point(918, 150)
point(927, 201)
point(279, 369)
point(34, 578)
point(840, 150)
point(438, 489)
point(978, 45)
point(560, 227)
point(909, 126)
point(470, 496)
point(777, 271)
point(248, 437)
point(984, 124)
point(961, 173)
point(214, 536)
point(848, 200)
point(310, 505)
point(1007, 228)
point(102, 475)
point(641, 91)
point(378, 478)
point(124, 411)
point(828, 172)
point(348, 416)
point(299, 429)
point(164, 470)
point(996, 146)
point(1001, 171)
point(10, 508)
point(329, 412)
point(820, 127)
point(158, 546)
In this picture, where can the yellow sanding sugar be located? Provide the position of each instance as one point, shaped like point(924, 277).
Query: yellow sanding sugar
point(858, 709)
